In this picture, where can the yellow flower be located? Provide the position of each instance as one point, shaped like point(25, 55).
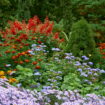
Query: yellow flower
point(2, 73)
point(3, 77)
point(9, 72)
point(90, 55)
point(11, 80)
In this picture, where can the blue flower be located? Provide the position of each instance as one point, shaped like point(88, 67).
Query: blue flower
point(90, 63)
point(80, 70)
point(72, 57)
point(102, 71)
point(77, 63)
point(83, 74)
point(89, 72)
point(46, 87)
point(103, 82)
point(84, 64)
point(37, 73)
point(85, 58)
point(67, 57)
point(68, 54)
point(33, 45)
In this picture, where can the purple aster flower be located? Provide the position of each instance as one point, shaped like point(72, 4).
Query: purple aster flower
point(83, 74)
point(80, 70)
point(90, 63)
point(85, 58)
point(67, 57)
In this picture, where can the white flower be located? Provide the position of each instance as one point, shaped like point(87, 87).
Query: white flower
point(37, 73)
point(55, 49)
point(8, 65)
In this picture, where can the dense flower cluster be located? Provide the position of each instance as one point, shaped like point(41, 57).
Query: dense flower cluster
point(10, 95)
point(22, 31)
point(18, 47)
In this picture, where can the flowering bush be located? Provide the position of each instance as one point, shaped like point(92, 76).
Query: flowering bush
point(63, 72)
point(22, 40)
point(10, 95)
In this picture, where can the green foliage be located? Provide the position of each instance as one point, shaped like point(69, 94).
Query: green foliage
point(9, 11)
point(93, 12)
point(96, 57)
point(54, 99)
point(24, 9)
point(4, 2)
point(4, 13)
point(25, 76)
point(81, 39)
point(71, 82)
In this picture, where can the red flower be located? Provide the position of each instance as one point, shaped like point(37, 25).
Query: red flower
point(18, 40)
point(0, 44)
point(23, 36)
point(13, 57)
point(13, 51)
point(49, 29)
point(34, 63)
point(103, 57)
point(21, 62)
point(39, 42)
point(37, 67)
point(7, 51)
point(13, 31)
point(17, 25)
point(56, 35)
point(26, 60)
point(62, 40)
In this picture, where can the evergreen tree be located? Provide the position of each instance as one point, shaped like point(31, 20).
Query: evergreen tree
point(81, 39)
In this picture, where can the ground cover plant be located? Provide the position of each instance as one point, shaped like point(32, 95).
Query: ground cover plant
point(15, 96)
point(32, 57)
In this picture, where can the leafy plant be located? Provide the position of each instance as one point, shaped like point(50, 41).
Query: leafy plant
point(25, 76)
point(81, 41)
point(71, 82)
point(93, 12)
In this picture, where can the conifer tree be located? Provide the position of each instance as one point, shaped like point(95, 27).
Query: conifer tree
point(81, 39)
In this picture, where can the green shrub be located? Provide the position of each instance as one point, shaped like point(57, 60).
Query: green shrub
point(93, 11)
point(67, 84)
point(81, 39)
